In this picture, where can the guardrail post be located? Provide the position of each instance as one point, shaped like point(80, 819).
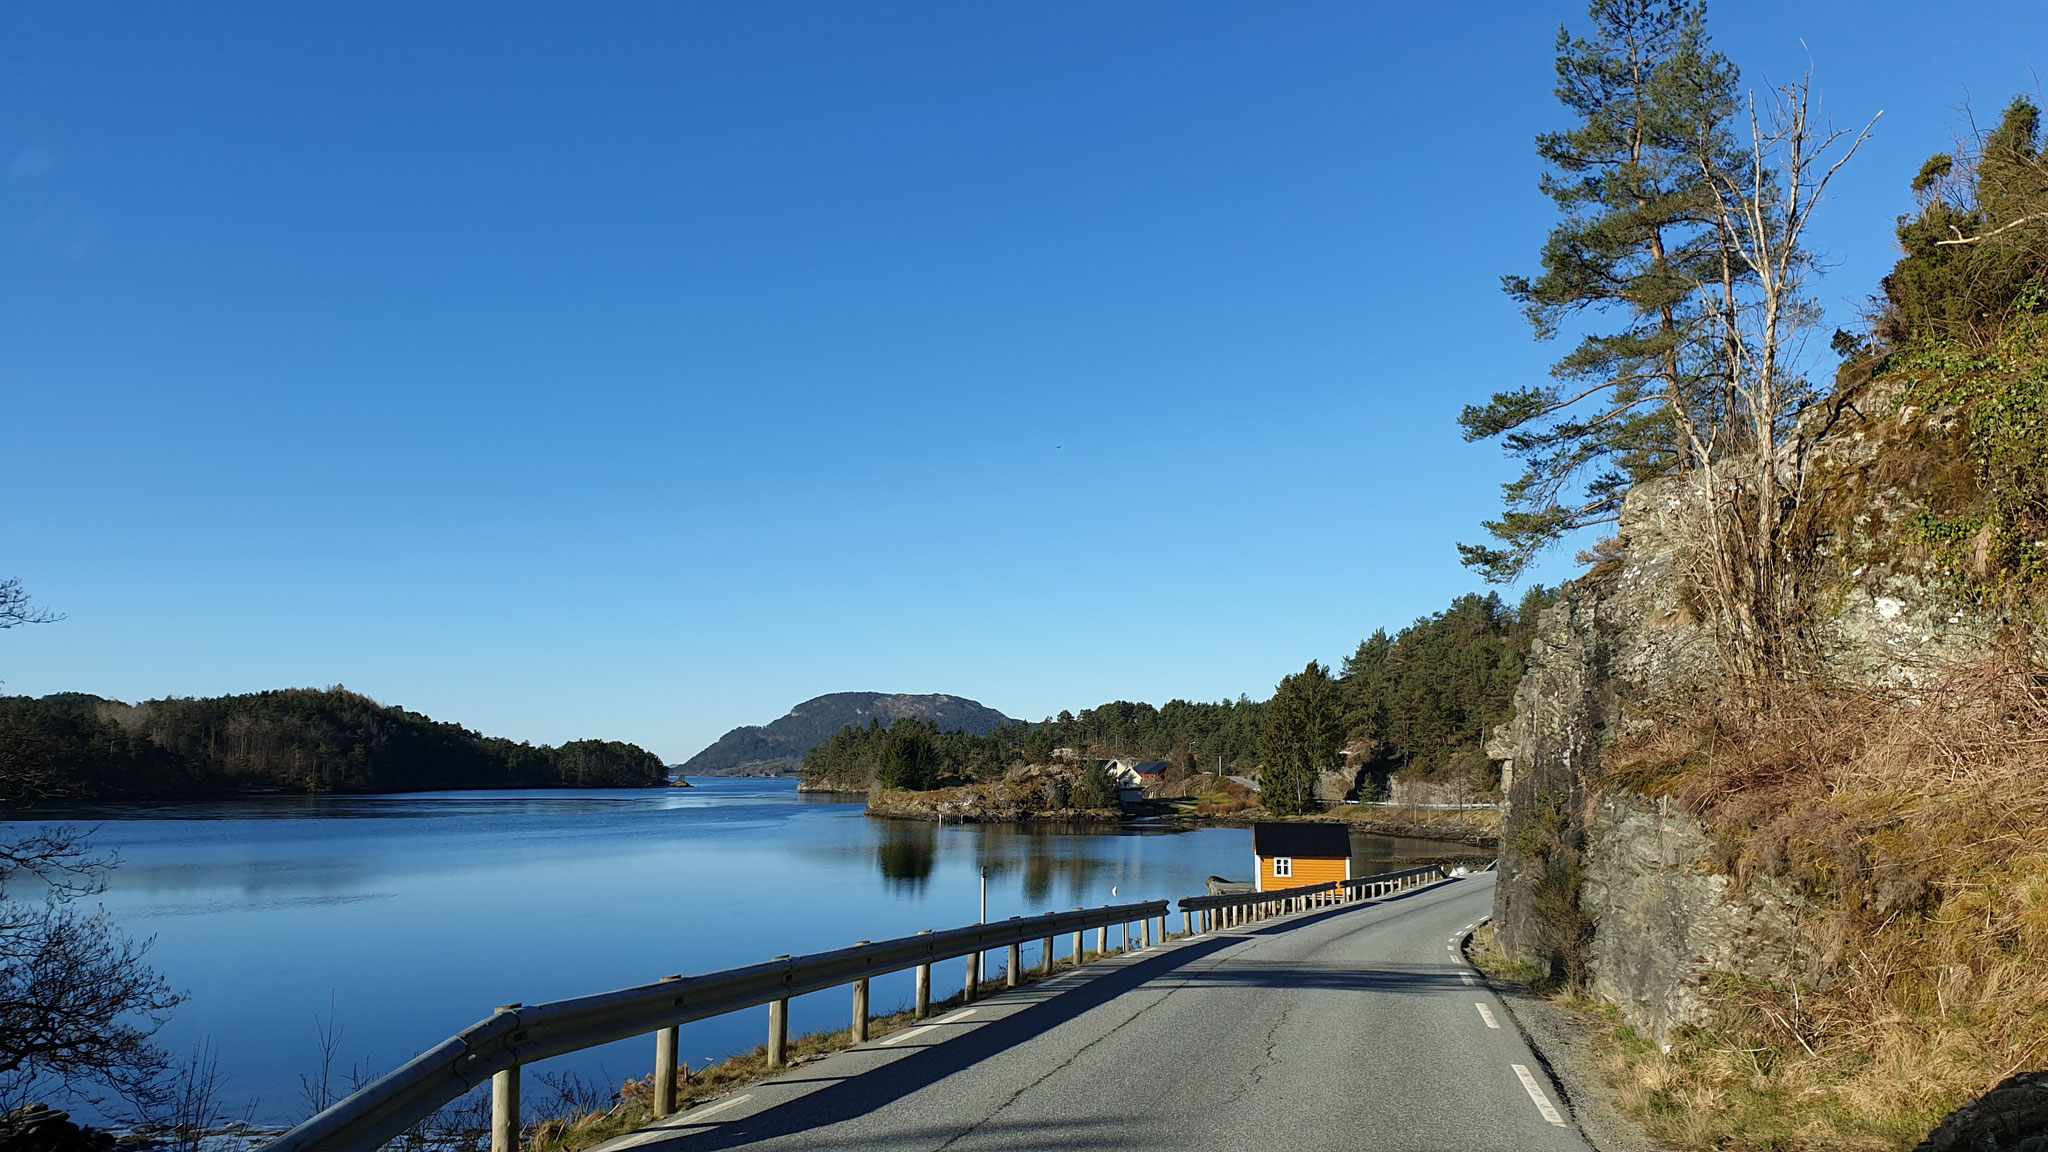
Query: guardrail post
point(778, 1033)
point(1080, 946)
point(666, 1043)
point(1048, 956)
point(1145, 932)
point(973, 988)
point(1102, 940)
point(505, 1103)
point(1016, 962)
point(860, 1005)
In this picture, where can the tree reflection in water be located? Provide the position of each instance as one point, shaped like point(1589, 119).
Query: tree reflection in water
point(905, 853)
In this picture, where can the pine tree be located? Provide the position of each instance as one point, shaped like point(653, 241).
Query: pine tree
point(1304, 735)
point(1639, 232)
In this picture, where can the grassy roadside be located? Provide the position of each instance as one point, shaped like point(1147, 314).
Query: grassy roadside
point(1913, 828)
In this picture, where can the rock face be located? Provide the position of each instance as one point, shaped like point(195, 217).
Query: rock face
point(777, 749)
point(1616, 888)
point(1665, 921)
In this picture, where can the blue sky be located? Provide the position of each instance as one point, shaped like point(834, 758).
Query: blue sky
point(638, 370)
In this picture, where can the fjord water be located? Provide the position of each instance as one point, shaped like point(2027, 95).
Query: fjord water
point(406, 918)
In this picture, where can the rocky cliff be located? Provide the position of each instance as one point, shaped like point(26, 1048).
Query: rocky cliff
point(1624, 889)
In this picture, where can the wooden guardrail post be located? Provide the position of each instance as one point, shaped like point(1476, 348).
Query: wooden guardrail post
point(1145, 932)
point(505, 1103)
point(1016, 962)
point(1048, 956)
point(667, 1042)
point(924, 984)
point(973, 988)
point(859, 1032)
point(1080, 945)
point(778, 1032)
point(1102, 940)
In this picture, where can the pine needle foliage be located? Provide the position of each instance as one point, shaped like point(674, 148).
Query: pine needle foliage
point(1639, 231)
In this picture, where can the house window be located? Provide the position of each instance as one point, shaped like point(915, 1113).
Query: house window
point(1283, 867)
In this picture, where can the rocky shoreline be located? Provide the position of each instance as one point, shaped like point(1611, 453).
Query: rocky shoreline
point(997, 804)
point(979, 804)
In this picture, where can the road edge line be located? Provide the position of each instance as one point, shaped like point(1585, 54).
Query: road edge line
point(1564, 1098)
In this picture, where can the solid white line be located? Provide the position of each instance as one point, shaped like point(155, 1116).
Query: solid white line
point(1486, 1014)
point(1536, 1094)
point(900, 1037)
point(721, 1106)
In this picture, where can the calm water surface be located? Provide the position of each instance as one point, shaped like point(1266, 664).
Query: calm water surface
point(407, 918)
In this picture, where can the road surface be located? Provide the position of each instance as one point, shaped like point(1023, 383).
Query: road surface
point(1351, 1028)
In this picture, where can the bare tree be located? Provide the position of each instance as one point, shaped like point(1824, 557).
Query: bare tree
point(1752, 497)
point(77, 1004)
point(194, 1103)
point(15, 608)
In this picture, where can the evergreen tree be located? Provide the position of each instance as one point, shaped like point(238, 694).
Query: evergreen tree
point(909, 757)
point(1640, 230)
point(1980, 240)
point(1304, 735)
point(1096, 789)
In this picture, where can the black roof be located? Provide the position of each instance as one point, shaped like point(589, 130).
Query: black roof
point(1325, 841)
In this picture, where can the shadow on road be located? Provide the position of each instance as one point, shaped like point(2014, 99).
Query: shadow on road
point(865, 1092)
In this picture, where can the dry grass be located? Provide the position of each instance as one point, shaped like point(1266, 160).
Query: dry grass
point(1916, 826)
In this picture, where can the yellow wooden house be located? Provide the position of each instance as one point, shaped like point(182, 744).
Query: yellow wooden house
point(1298, 855)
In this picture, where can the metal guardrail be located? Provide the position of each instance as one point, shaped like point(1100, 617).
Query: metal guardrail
point(518, 1034)
point(494, 1049)
point(1229, 909)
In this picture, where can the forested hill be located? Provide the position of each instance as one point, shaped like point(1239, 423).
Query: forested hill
point(1417, 704)
point(779, 748)
point(78, 747)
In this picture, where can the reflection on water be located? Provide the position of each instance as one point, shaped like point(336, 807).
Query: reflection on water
point(905, 854)
point(413, 915)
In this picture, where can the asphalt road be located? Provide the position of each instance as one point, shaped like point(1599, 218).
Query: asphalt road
point(1355, 1028)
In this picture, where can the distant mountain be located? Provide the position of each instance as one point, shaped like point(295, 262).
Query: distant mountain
point(778, 749)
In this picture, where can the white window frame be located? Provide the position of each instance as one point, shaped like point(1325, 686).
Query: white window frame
point(1283, 867)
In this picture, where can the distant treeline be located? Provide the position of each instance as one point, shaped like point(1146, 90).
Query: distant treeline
point(78, 747)
point(1420, 702)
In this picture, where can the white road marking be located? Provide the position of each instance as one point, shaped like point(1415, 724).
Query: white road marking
point(665, 1129)
point(900, 1037)
point(1467, 978)
point(1486, 1014)
point(1536, 1093)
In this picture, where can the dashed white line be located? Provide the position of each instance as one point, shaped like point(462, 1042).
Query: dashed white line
point(1467, 978)
point(1535, 1091)
point(1486, 1014)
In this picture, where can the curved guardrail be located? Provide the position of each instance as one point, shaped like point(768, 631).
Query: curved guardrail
point(1229, 909)
point(494, 1049)
point(517, 1034)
